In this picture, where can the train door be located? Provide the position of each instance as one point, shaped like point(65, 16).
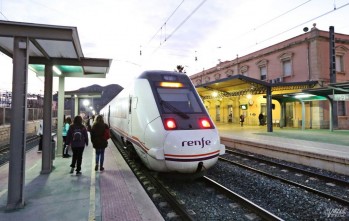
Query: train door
point(230, 113)
point(218, 113)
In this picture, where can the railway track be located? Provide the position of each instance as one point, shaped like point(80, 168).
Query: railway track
point(325, 186)
point(200, 199)
point(31, 142)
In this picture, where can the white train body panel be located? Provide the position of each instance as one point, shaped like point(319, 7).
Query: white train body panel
point(138, 115)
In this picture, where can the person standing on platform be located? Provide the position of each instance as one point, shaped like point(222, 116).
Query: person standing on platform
point(40, 133)
point(261, 119)
point(242, 120)
point(99, 136)
point(65, 130)
point(77, 138)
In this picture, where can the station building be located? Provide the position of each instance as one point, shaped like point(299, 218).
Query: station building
point(236, 87)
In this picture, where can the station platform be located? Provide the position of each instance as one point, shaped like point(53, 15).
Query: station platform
point(319, 148)
point(114, 194)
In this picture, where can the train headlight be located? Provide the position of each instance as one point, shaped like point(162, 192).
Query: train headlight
point(170, 124)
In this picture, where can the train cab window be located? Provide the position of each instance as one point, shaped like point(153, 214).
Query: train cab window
point(182, 99)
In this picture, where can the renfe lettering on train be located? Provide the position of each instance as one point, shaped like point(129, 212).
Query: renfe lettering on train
point(201, 142)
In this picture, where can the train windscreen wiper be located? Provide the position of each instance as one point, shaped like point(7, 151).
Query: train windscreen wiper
point(173, 109)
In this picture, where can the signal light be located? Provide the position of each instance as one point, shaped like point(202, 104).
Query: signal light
point(170, 124)
point(205, 123)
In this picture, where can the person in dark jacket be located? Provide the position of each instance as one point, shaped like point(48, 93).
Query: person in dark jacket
point(99, 140)
point(77, 138)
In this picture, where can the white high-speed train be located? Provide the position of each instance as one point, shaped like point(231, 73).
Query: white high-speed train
point(162, 119)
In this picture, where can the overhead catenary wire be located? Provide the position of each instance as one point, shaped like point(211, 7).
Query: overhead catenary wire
point(326, 13)
point(272, 19)
point(180, 25)
point(267, 22)
point(164, 25)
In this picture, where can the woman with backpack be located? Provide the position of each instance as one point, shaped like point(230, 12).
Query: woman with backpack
point(77, 138)
point(99, 136)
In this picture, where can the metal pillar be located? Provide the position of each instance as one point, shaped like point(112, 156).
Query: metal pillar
point(16, 178)
point(60, 116)
point(269, 111)
point(333, 78)
point(303, 115)
point(46, 166)
point(331, 115)
point(283, 114)
point(72, 106)
point(76, 107)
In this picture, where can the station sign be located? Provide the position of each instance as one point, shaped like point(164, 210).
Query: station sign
point(243, 106)
point(341, 97)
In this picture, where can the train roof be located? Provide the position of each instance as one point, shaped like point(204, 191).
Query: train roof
point(158, 74)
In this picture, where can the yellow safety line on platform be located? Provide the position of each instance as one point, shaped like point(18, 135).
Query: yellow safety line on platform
point(92, 210)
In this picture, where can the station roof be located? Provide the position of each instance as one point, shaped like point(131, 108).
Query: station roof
point(332, 88)
point(56, 45)
point(312, 94)
point(241, 85)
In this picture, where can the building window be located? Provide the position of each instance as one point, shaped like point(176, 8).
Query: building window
point(263, 72)
point(217, 76)
point(340, 59)
point(287, 68)
point(286, 62)
point(244, 70)
point(339, 63)
point(229, 73)
point(341, 108)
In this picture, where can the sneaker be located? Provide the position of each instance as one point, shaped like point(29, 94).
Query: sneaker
point(71, 170)
point(96, 167)
point(68, 155)
point(101, 169)
point(78, 173)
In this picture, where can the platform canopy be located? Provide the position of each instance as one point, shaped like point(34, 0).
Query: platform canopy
point(336, 91)
point(241, 85)
point(55, 45)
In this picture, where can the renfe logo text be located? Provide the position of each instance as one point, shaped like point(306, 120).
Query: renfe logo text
point(201, 142)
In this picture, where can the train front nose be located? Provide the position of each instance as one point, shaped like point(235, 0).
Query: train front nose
point(191, 151)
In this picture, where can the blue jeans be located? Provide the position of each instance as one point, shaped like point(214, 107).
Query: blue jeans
point(100, 157)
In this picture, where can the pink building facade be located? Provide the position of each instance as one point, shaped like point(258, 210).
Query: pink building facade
point(303, 58)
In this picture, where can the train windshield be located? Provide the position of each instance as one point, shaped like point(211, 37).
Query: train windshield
point(179, 100)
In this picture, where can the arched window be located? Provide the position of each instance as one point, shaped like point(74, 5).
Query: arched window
point(263, 69)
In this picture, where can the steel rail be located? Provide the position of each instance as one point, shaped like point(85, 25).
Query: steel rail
point(175, 205)
point(343, 201)
point(261, 212)
point(324, 177)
